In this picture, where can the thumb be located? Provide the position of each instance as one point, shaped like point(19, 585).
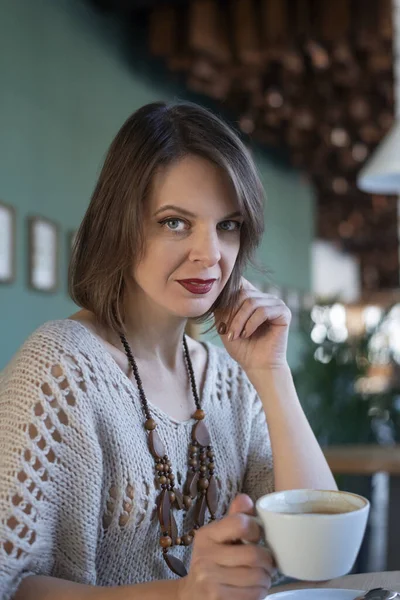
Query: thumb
point(242, 504)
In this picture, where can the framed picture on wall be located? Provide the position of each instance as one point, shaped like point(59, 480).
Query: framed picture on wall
point(7, 243)
point(43, 254)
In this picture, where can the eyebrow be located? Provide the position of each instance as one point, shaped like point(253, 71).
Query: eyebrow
point(190, 214)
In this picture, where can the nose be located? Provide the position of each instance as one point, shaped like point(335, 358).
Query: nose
point(205, 248)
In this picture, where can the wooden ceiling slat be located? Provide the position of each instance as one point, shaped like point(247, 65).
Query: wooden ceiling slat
point(364, 22)
point(385, 20)
point(206, 31)
point(163, 31)
point(245, 32)
point(334, 19)
point(303, 18)
point(275, 22)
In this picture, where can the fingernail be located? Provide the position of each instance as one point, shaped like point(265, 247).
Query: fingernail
point(222, 329)
point(243, 334)
point(230, 336)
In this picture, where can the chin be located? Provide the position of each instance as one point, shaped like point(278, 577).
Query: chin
point(192, 312)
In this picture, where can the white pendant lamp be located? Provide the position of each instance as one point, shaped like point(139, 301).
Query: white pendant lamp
point(381, 173)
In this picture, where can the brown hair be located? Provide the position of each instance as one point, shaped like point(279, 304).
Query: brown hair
point(111, 234)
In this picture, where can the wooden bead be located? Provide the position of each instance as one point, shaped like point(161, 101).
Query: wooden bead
point(156, 446)
point(187, 539)
point(160, 467)
point(150, 424)
point(200, 434)
point(165, 541)
point(203, 469)
point(210, 454)
point(163, 480)
point(193, 462)
point(173, 529)
point(178, 499)
point(212, 496)
point(203, 484)
point(171, 477)
point(200, 511)
point(211, 465)
point(172, 497)
point(187, 501)
point(175, 564)
point(164, 510)
point(178, 541)
point(199, 415)
point(191, 484)
point(194, 450)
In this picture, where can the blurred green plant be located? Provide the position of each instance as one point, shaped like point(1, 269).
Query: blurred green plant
point(331, 383)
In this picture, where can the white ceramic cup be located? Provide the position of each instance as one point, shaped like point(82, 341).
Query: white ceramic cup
point(314, 535)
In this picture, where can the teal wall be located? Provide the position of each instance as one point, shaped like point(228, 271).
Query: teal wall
point(66, 87)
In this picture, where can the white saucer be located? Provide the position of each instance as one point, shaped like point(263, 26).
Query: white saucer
point(321, 594)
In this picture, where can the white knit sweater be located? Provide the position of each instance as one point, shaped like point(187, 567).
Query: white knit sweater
point(77, 493)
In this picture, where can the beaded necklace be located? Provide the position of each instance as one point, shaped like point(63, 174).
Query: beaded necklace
point(200, 486)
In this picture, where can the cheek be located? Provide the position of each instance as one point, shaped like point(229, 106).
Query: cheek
point(230, 255)
point(158, 262)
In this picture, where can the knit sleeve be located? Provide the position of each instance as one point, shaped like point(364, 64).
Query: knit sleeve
point(50, 469)
point(259, 477)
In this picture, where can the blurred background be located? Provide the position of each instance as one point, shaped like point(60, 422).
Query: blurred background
point(312, 88)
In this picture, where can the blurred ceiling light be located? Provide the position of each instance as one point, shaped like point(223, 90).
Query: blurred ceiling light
point(340, 185)
point(337, 315)
point(359, 152)
point(339, 137)
point(320, 314)
point(318, 334)
point(246, 124)
point(274, 98)
point(371, 316)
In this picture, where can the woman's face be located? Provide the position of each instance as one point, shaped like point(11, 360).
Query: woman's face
point(192, 237)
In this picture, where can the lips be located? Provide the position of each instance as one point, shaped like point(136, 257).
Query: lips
point(197, 286)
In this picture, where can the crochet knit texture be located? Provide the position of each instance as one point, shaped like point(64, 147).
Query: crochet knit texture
point(77, 493)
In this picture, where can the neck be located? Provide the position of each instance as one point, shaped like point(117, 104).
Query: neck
point(152, 334)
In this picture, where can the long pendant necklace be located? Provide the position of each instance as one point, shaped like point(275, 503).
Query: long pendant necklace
point(200, 482)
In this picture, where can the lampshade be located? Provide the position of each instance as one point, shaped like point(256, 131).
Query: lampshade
point(381, 173)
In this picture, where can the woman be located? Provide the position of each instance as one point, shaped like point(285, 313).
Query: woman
point(107, 416)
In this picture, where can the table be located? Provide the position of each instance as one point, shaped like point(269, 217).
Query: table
point(368, 460)
point(363, 581)
point(363, 459)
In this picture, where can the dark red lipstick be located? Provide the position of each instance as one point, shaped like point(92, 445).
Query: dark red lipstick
point(197, 286)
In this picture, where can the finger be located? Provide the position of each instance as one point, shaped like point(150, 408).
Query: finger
point(231, 529)
point(278, 315)
point(224, 319)
point(243, 577)
point(242, 503)
point(235, 593)
point(246, 311)
point(246, 555)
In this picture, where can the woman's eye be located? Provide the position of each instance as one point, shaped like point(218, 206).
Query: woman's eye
point(174, 224)
point(229, 225)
